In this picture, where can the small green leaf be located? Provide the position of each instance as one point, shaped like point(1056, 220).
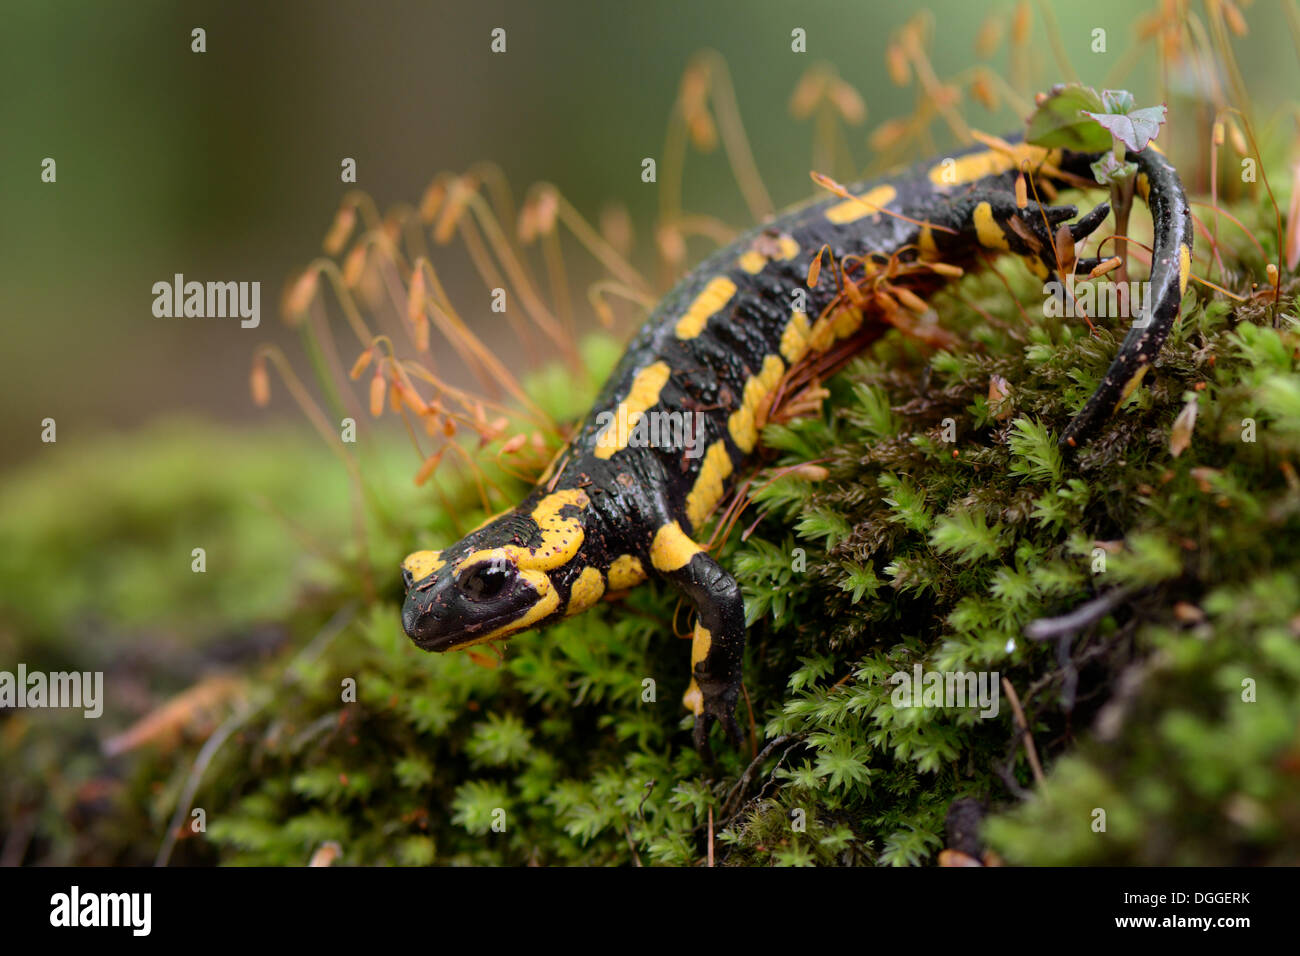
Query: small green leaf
point(1059, 120)
point(967, 535)
point(1117, 101)
point(1109, 170)
point(1036, 455)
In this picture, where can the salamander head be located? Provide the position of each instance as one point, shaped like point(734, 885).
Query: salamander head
point(495, 581)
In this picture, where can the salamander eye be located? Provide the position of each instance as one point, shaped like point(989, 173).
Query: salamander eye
point(485, 581)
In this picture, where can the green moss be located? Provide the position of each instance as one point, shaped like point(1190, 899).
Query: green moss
point(913, 551)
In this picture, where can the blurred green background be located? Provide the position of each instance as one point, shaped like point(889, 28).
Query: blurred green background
point(225, 165)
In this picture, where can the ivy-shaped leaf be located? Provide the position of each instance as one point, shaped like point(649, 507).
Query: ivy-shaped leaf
point(1134, 128)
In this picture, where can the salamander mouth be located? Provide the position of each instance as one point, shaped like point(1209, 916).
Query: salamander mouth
point(416, 623)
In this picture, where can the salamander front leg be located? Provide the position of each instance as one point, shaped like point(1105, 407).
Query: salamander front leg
point(718, 645)
point(717, 648)
point(1038, 226)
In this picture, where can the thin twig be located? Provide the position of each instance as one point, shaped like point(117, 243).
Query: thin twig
point(710, 863)
point(640, 807)
point(1085, 615)
point(631, 845)
point(748, 775)
point(1030, 750)
point(208, 751)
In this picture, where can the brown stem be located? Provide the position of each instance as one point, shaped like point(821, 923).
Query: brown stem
point(1121, 195)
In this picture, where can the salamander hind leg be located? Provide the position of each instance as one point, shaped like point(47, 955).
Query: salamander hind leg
point(718, 644)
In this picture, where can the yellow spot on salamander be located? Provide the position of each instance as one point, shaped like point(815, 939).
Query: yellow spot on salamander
point(547, 512)
point(960, 170)
point(693, 700)
point(1132, 385)
point(794, 340)
point(626, 572)
point(822, 336)
point(1144, 186)
point(421, 564)
point(1036, 266)
point(586, 591)
point(847, 320)
point(840, 324)
point(1184, 268)
point(710, 301)
point(988, 231)
point(562, 537)
point(744, 422)
point(672, 549)
point(643, 395)
point(765, 250)
point(708, 487)
point(701, 644)
point(868, 204)
point(929, 250)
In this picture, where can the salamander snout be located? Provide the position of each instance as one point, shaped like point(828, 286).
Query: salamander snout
point(483, 596)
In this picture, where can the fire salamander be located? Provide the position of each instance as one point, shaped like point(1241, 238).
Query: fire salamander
point(612, 510)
